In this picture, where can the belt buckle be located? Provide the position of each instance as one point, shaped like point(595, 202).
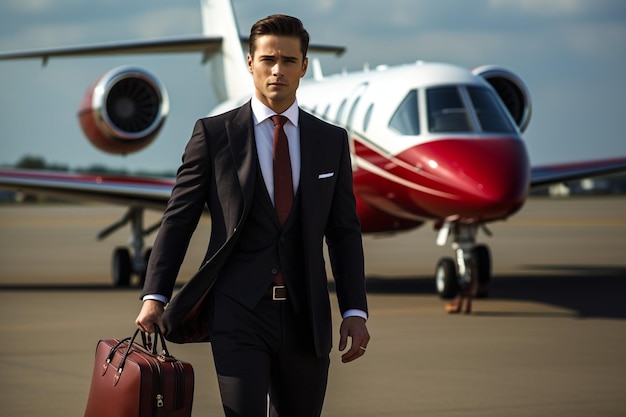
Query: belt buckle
point(275, 296)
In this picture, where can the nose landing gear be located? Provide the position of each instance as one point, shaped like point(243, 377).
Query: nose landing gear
point(466, 277)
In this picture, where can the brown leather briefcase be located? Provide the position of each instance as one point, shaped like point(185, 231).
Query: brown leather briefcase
point(132, 380)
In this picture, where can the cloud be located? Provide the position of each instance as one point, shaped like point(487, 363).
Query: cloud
point(324, 5)
point(33, 25)
point(28, 6)
point(167, 21)
point(545, 8)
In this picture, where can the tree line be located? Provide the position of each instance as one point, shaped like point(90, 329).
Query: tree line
point(39, 163)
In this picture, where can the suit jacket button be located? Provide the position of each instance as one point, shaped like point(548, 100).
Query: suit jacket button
point(274, 271)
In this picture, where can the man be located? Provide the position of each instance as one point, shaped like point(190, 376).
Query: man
point(261, 296)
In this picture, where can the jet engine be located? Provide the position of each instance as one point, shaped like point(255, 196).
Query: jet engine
point(124, 110)
point(512, 92)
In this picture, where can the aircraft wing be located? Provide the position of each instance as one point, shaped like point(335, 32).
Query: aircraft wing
point(553, 174)
point(122, 190)
point(207, 45)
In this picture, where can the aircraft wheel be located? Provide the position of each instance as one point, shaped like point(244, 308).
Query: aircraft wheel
point(446, 278)
point(146, 259)
point(121, 268)
point(482, 265)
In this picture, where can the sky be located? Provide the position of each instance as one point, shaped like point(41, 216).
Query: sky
point(570, 53)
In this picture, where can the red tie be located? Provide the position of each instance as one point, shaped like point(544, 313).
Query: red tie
point(283, 182)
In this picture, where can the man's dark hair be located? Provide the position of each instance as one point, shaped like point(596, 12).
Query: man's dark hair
point(279, 25)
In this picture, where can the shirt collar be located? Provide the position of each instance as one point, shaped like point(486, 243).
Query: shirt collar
point(261, 112)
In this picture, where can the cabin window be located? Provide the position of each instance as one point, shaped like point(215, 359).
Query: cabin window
point(325, 114)
point(368, 117)
point(352, 110)
point(490, 112)
point(340, 110)
point(446, 112)
point(406, 118)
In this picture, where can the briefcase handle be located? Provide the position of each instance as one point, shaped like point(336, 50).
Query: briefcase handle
point(146, 344)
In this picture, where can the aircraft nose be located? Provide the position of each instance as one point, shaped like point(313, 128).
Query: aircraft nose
point(483, 178)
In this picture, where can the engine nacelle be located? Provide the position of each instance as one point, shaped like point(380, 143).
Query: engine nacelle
point(512, 92)
point(124, 110)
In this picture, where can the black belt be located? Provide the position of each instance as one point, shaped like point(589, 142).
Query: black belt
point(277, 293)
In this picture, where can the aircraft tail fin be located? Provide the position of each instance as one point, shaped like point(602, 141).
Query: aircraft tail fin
point(227, 68)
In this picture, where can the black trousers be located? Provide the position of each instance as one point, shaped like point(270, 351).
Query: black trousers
point(268, 350)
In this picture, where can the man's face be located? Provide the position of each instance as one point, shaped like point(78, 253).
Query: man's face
point(276, 67)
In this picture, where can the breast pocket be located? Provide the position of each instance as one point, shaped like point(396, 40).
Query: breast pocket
point(325, 175)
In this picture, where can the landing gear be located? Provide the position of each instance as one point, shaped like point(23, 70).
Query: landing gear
point(146, 259)
point(121, 267)
point(447, 279)
point(469, 275)
point(126, 263)
point(481, 259)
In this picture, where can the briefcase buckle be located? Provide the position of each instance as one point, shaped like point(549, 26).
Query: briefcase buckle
point(279, 293)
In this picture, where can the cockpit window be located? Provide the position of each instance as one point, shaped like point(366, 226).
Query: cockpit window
point(406, 118)
point(489, 111)
point(446, 112)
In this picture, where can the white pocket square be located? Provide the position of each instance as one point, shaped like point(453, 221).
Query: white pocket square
point(326, 175)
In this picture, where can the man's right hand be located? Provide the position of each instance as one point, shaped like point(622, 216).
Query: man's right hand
point(151, 313)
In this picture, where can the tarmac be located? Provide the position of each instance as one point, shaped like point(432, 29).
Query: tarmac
point(548, 341)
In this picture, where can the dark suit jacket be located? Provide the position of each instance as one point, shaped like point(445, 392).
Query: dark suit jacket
point(219, 169)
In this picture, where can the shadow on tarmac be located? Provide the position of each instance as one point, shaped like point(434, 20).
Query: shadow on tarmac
point(588, 291)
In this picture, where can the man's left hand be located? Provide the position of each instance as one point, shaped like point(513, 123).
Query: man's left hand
point(355, 328)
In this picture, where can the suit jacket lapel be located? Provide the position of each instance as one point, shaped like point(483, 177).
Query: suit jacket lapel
point(311, 151)
point(240, 132)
